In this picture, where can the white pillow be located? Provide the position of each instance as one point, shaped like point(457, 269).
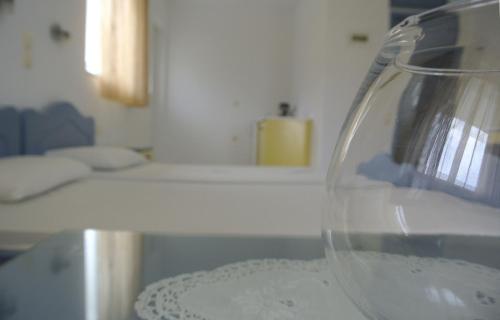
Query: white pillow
point(24, 177)
point(101, 158)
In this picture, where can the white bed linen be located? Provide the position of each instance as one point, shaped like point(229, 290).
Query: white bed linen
point(189, 208)
point(100, 157)
point(384, 208)
point(290, 209)
point(238, 174)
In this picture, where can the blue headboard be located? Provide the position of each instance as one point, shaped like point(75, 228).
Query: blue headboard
point(10, 132)
point(59, 125)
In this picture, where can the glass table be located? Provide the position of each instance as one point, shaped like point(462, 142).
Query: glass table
point(98, 275)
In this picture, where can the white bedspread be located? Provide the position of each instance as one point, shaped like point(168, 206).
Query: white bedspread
point(218, 174)
point(189, 208)
point(245, 208)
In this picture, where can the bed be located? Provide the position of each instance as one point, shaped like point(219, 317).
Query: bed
point(164, 198)
point(60, 126)
point(189, 208)
point(132, 200)
point(10, 132)
point(164, 172)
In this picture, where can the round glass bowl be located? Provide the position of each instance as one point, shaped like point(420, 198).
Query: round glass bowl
point(412, 225)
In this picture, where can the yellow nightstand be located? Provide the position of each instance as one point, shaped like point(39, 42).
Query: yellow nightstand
point(284, 142)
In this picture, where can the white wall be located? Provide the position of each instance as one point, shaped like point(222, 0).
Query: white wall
point(309, 72)
point(238, 37)
point(229, 64)
point(210, 108)
point(348, 62)
point(57, 71)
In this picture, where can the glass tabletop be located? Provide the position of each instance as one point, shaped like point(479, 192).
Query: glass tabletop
point(98, 275)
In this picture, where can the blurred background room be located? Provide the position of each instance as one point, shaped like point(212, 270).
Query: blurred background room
point(236, 104)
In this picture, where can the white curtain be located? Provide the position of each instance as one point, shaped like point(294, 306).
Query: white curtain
point(124, 51)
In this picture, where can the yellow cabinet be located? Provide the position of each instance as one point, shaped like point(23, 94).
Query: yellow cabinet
point(284, 142)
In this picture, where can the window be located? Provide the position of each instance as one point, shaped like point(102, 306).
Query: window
point(93, 48)
point(116, 49)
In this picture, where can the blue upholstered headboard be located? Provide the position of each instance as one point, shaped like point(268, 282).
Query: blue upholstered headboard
point(59, 125)
point(10, 132)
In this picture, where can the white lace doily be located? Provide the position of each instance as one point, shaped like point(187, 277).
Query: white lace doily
point(398, 287)
point(259, 289)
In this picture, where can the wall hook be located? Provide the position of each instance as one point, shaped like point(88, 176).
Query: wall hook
point(58, 34)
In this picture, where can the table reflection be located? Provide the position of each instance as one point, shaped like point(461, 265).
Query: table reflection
point(112, 273)
point(91, 275)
